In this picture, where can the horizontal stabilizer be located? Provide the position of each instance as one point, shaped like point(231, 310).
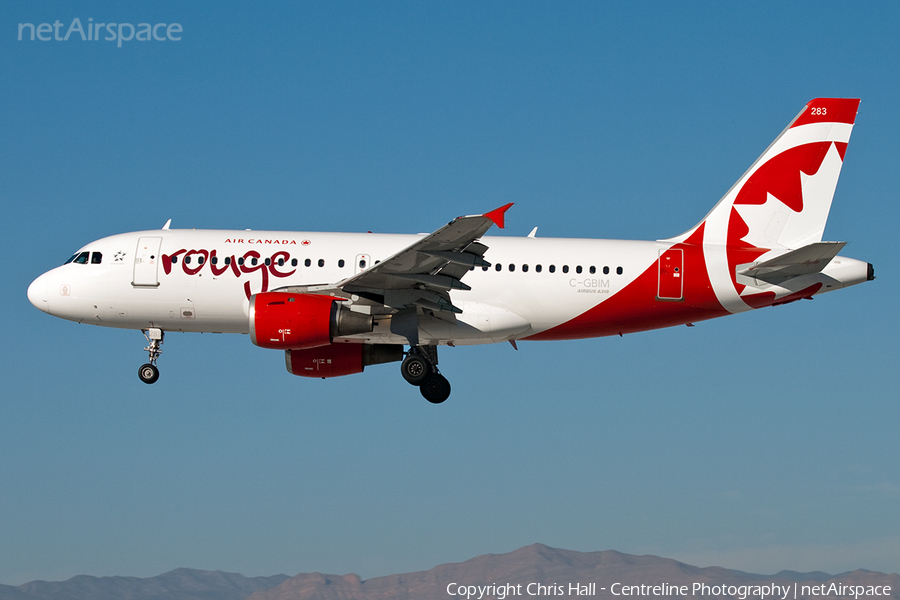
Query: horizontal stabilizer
point(803, 261)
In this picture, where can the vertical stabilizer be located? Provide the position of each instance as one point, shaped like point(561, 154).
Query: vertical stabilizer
point(783, 200)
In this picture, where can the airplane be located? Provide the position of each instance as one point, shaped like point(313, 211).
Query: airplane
point(336, 303)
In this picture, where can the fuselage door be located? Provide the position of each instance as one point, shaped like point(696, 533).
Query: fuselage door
point(146, 261)
point(363, 262)
point(671, 274)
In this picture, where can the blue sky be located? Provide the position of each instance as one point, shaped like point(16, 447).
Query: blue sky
point(761, 442)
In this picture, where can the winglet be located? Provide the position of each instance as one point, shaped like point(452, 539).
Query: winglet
point(166, 226)
point(497, 215)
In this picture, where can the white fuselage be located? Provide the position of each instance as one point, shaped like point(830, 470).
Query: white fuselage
point(190, 280)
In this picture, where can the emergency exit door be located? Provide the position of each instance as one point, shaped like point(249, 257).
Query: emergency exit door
point(671, 275)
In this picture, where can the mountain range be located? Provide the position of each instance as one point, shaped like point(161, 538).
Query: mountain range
point(534, 571)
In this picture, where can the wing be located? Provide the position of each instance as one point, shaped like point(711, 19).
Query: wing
point(424, 272)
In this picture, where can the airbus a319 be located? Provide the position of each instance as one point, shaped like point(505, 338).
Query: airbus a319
point(335, 303)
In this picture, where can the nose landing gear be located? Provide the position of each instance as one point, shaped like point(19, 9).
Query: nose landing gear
point(419, 368)
point(148, 372)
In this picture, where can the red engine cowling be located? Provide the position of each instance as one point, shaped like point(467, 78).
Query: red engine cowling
point(284, 321)
point(339, 359)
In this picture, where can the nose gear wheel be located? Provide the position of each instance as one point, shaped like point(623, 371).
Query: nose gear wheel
point(148, 373)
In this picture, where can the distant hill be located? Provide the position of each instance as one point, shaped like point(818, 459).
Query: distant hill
point(180, 584)
point(533, 565)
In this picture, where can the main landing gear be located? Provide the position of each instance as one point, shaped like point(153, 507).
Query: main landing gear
point(420, 368)
point(148, 372)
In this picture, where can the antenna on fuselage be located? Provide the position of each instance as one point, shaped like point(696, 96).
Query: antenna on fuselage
point(166, 226)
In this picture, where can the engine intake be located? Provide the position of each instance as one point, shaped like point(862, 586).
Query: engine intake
point(284, 321)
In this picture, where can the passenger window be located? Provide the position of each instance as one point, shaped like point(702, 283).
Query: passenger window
point(578, 269)
point(174, 259)
point(618, 270)
point(293, 262)
point(82, 258)
point(537, 268)
point(187, 260)
point(553, 268)
point(254, 261)
point(498, 267)
point(96, 258)
point(593, 269)
point(321, 262)
point(280, 262)
point(524, 268)
point(341, 263)
point(512, 267)
point(214, 260)
point(307, 262)
point(484, 267)
point(241, 261)
point(200, 260)
point(362, 264)
point(227, 260)
point(606, 270)
point(565, 268)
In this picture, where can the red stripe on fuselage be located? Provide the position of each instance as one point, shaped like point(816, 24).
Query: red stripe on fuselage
point(636, 308)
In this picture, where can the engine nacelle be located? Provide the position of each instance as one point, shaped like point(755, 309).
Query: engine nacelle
point(339, 359)
point(284, 321)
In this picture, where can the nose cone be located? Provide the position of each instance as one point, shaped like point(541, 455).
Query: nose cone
point(37, 294)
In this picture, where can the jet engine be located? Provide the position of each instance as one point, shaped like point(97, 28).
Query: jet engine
point(284, 321)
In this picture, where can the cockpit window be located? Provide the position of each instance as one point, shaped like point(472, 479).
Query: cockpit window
point(71, 258)
point(82, 258)
point(96, 258)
